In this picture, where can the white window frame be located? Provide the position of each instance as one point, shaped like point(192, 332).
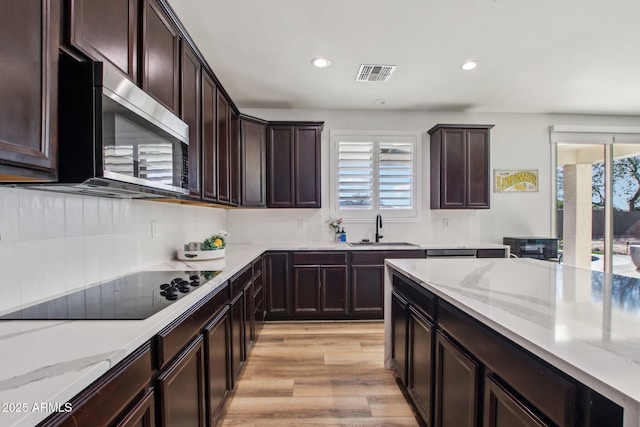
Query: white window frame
point(365, 215)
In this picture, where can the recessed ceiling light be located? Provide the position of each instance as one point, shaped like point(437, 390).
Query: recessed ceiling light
point(469, 65)
point(321, 62)
point(381, 101)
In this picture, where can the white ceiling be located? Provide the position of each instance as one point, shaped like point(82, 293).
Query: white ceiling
point(541, 56)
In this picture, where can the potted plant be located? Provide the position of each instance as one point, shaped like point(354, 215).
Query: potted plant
point(212, 247)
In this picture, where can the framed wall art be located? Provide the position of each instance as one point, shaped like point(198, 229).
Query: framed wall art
point(510, 181)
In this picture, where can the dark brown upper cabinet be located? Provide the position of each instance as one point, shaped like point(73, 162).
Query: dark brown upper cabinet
point(253, 162)
point(107, 30)
point(190, 113)
point(293, 165)
point(224, 149)
point(234, 158)
point(29, 39)
point(160, 55)
point(209, 134)
point(460, 166)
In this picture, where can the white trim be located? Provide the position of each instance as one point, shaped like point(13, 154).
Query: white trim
point(376, 136)
point(594, 134)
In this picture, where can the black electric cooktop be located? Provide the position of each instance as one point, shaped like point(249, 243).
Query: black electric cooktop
point(131, 297)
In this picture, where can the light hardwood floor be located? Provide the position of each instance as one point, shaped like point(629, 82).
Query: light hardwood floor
point(318, 374)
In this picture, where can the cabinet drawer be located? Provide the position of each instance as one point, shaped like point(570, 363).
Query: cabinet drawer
point(239, 280)
point(319, 258)
point(546, 389)
point(178, 334)
point(417, 296)
point(256, 265)
point(108, 397)
point(378, 257)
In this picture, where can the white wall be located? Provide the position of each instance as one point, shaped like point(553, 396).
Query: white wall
point(518, 141)
point(52, 243)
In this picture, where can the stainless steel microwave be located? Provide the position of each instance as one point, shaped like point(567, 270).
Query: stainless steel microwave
point(116, 140)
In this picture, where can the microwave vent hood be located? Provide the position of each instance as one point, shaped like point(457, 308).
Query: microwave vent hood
point(114, 139)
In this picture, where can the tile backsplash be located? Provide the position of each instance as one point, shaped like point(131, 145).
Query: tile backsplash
point(52, 243)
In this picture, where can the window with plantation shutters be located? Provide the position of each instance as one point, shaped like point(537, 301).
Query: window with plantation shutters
point(375, 174)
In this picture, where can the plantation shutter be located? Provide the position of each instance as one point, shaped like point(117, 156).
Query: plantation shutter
point(395, 175)
point(355, 175)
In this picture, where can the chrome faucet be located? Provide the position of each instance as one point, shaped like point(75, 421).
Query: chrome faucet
point(378, 227)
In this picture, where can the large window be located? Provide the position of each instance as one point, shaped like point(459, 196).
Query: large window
point(375, 173)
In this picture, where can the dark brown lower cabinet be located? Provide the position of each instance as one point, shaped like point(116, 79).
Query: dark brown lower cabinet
point(503, 409)
point(181, 388)
point(276, 268)
point(367, 290)
point(117, 396)
point(399, 324)
point(248, 319)
point(142, 414)
point(420, 371)
point(237, 336)
point(456, 386)
point(258, 309)
point(218, 364)
point(320, 289)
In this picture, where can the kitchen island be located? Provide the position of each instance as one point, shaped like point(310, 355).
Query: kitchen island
point(576, 329)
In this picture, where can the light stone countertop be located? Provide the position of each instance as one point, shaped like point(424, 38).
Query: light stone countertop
point(50, 362)
point(585, 323)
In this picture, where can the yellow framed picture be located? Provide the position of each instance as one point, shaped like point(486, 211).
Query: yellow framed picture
point(510, 181)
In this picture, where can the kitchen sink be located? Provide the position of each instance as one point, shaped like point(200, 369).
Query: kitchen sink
point(361, 243)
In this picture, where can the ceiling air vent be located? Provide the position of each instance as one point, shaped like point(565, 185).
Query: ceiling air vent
point(374, 73)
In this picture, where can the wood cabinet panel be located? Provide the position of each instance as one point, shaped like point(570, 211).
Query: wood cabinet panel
point(108, 398)
point(420, 382)
point(306, 289)
point(478, 168)
point(460, 166)
point(29, 39)
point(307, 166)
point(492, 253)
point(456, 386)
point(367, 289)
point(237, 336)
point(217, 335)
point(334, 289)
point(293, 165)
point(209, 139)
point(234, 159)
point(224, 149)
point(142, 414)
point(107, 31)
point(253, 163)
point(280, 165)
point(503, 409)
point(190, 113)
point(160, 48)
point(399, 325)
point(181, 388)
point(276, 265)
point(319, 258)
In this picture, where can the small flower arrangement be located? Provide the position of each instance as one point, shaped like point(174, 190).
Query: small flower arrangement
point(216, 241)
point(335, 223)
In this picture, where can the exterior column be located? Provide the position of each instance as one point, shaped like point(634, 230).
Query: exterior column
point(577, 215)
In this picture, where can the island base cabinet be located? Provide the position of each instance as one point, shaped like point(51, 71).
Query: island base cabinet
point(181, 387)
point(420, 371)
point(456, 387)
point(399, 319)
point(142, 414)
point(502, 409)
point(218, 363)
